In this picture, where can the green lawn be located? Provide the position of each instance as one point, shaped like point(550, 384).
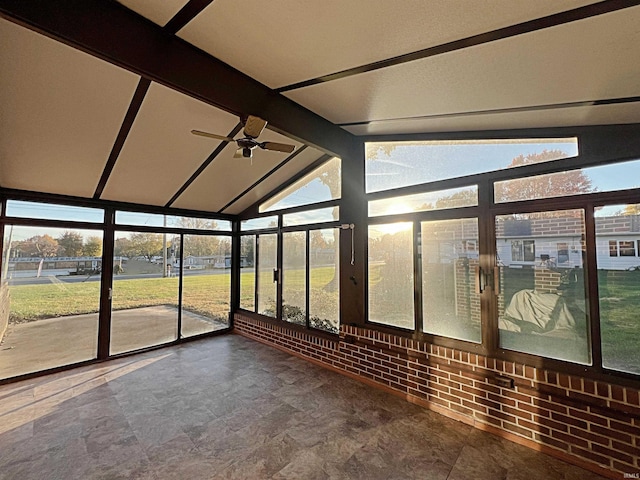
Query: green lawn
point(204, 294)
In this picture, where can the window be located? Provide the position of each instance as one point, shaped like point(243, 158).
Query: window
point(306, 217)
point(51, 211)
point(206, 284)
point(267, 274)
point(618, 286)
point(159, 220)
point(260, 223)
point(563, 253)
point(523, 250)
point(390, 275)
point(450, 305)
point(50, 294)
point(294, 277)
point(399, 164)
point(627, 248)
point(247, 272)
point(613, 248)
point(322, 184)
point(542, 309)
point(422, 202)
point(604, 178)
point(324, 279)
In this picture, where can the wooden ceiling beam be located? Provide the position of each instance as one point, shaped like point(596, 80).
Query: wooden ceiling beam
point(109, 31)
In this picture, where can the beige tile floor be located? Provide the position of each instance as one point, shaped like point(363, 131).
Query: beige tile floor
point(228, 407)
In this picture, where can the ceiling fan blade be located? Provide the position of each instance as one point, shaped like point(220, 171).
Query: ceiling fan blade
point(278, 147)
point(238, 153)
point(212, 135)
point(254, 126)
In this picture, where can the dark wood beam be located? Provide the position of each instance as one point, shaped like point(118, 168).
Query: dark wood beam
point(554, 20)
point(187, 13)
point(109, 31)
point(125, 128)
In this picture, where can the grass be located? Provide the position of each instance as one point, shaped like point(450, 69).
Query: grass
point(619, 293)
point(206, 295)
point(620, 321)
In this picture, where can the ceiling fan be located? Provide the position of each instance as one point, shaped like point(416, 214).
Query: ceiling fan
point(253, 127)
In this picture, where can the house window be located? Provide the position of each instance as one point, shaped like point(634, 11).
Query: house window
point(627, 248)
point(563, 253)
point(613, 248)
point(523, 250)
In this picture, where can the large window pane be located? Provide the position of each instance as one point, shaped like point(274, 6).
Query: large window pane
point(306, 217)
point(422, 202)
point(619, 286)
point(259, 223)
point(159, 220)
point(267, 263)
point(294, 282)
point(541, 306)
point(324, 279)
point(50, 211)
point(145, 290)
point(49, 298)
point(391, 274)
point(206, 283)
point(247, 272)
point(400, 164)
point(605, 178)
point(320, 185)
point(449, 260)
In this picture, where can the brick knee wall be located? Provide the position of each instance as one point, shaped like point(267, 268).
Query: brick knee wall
point(592, 424)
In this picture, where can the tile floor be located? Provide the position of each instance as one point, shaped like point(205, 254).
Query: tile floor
point(229, 407)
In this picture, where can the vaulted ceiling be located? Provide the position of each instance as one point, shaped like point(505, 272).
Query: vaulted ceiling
point(98, 97)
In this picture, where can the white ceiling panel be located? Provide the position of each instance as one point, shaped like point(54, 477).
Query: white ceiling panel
point(591, 59)
point(161, 153)
point(227, 177)
point(279, 177)
point(561, 117)
point(60, 113)
point(159, 12)
point(288, 41)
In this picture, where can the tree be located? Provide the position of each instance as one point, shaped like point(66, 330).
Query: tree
point(633, 209)
point(201, 245)
point(70, 244)
point(38, 246)
point(92, 247)
point(197, 223)
point(547, 186)
point(145, 245)
point(121, 247)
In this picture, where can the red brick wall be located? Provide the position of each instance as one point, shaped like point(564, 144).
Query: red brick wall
point(592, 424)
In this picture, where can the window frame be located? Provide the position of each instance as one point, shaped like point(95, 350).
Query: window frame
point(598, 153)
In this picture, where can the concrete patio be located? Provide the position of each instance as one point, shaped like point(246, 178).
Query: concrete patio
point(52, 342)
